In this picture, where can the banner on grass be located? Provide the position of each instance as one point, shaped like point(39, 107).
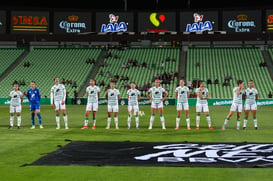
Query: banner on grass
point(161, 154)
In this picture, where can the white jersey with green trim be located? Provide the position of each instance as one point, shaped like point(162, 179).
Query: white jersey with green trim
point(112, 97)
point(237, 98)
point(204, 94)
point(58, 92)
point(182, 94)
point(15, 98)
point(92, 94)
point(251, 96)
point(133, 96)
point(157, 94)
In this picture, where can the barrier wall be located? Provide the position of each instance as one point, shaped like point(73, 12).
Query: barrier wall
point(103, 101)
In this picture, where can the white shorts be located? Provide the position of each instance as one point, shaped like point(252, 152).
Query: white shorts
point(58, 105)
point(112, 108)
point(133, 107)
point(14, 109)
point(236, 107)
point(200, 107)
point(181, 106)
point(92, 106)
point(157, 105)
point(250, 106)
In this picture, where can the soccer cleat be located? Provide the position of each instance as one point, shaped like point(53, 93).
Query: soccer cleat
point(176, 128)
point(256, 128)
point(163, 128)
point(117, 127)
point(188, 128)
point(10, 127)
point(238, 127)
point(18, 127)
point(107, 127)
point(128, 127)
point(197, 127)
point(224, 127)
point(32, 127)
point(150, 127)
point(137, 127)
point(57, 127)
point(211, 128)
point(244, 128)
point(41, 127)
point(84, 127)
point(66, 127)
point(93, 127)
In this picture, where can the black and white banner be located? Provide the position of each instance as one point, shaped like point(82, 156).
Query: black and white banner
point(162, 154)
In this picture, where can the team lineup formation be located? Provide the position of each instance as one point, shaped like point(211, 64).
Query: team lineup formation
point(156, 94)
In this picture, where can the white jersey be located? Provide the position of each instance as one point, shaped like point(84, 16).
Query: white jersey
point(58, 93)
point(157, 94)
point(237, 99)
point(15, 98)
point(204, 94)
point(112, 96)
point(182, 94)
point(251, 96)
point(92, 94)
point(133, 96)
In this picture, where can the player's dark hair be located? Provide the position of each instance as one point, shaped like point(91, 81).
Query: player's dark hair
point(239, 82)
point(33, 82)
point(200, 82)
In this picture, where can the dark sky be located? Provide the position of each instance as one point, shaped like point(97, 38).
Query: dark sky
point(133, 5)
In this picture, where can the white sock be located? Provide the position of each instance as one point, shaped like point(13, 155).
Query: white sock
point(65, 121)
point(197, 120)
point(19, 120)
point(11, 120)
point(94, 121)
point(86, 122)
point(177, 121)
point(152, 120)
point(162, 121)
point(58, 121)
point(129, 121)
point(208, 120)
point(226, 121)
point(137, 121)
point(108, 121)
point(255, 122)
point(116, 121)
point(238, 124)
point(245, 122)
point(188, 121)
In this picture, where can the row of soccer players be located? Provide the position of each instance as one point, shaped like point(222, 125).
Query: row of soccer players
point(156, 94)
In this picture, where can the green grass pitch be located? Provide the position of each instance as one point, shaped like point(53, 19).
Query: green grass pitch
point(23, 146)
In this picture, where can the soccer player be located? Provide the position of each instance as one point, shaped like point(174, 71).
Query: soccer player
point(112, 97)
point(133, 96)
point(157, 102)
point(34, 97)
point(93, 95)
point(16, 98)
point(251, 97)
point(236, 104)
point(182, 94)
point(58, 94)
point(202, 104)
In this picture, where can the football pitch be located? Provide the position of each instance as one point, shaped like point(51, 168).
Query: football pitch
point(20, 147)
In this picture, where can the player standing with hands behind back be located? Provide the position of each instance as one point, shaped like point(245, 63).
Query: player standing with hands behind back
point(16, 98)
point(157, 102)
point(202, 104)
point(251, 96)
point(58, 94)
